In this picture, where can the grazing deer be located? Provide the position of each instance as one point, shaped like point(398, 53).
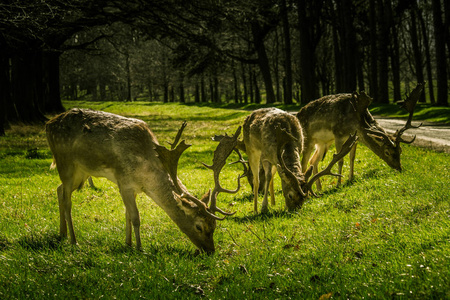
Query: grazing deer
point(273, 138)
point(125, 151)
point(332, 118)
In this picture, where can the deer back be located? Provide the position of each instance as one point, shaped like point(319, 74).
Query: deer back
point(104, 145)
point(337, 116)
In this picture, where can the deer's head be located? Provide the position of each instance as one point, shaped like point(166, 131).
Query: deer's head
point(297, 184)
point(199, 220)
point(389, 145)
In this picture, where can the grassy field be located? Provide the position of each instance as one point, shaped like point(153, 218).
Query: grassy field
point(384, 235)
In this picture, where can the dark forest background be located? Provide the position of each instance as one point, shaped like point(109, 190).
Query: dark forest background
point(260, 51)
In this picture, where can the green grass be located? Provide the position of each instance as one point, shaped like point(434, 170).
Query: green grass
point(384, 235)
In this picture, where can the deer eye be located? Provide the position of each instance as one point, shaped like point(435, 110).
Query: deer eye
point(199, 228)
point(387, 153)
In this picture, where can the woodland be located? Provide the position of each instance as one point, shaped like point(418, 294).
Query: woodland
point(269, 51)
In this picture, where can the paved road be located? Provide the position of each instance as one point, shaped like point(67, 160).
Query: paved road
point(429, 135)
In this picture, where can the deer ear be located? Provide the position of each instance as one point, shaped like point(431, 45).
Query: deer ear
point(362, 101)
point(183, 204)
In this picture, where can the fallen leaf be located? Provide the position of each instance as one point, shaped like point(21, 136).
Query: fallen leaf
point(326, 296)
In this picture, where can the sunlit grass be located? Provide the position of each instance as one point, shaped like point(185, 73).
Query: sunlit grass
point(384, 235)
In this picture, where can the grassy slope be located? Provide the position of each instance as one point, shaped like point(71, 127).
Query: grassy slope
point(386, 234)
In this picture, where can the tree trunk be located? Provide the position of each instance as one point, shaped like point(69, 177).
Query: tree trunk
point(394, 49)
point(203, 90)
point(348, 44)
point(373, 81)
point(237, 92)
point(244, 82)
point(287, 53)
point(26, 94)
point(441, 63)
point(255, 85)
point(197, 93)
point(53, 102)
point(416, 51)
point(383, 57)
point(263, 61)
point(427, 56)
point(181, 92)
point(5, 93)
point(128, 70)
point(308, 81)
point(338, 63)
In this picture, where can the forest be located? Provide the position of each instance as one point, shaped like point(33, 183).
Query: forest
point(252, 51)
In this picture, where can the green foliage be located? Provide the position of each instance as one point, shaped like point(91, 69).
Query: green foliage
point(386, 234)
point(422, 112)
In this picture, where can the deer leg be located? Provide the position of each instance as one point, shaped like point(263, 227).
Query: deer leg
point(253, 161)
point(352, 161)
point(132, 217)
point(306, 156)
point(65, 210)
point(314, 161)
point(62, 214)
point(272, 193)
point(268, 174)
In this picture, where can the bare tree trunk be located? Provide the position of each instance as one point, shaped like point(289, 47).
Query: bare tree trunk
point(287, 53)
point(416, 51)
point(237, 91)
point(5, 93)
point(441, 63)
point(308, 81)
point(244, 82)
point(256, 87)
point(383, 57)
point(26, 94)
point(263, 61)
point(203, 90)
point(428, 57)
point(128, 70)
point(373, 81)
point(394, 48)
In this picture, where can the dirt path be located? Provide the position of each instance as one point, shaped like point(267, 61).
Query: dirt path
point(429, 135)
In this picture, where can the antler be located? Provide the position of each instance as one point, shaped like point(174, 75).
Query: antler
point(372, 130)
point(284, 137)
point(226, 146)
point(336, 157)
point(409, 104)
point(169, 159)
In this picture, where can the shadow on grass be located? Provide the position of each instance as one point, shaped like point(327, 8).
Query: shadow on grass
point(266, 216)
point(40, 241)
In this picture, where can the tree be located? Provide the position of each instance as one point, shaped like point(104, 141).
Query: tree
point(441, 59)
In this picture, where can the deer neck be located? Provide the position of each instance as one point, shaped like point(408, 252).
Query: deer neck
point(292, 160)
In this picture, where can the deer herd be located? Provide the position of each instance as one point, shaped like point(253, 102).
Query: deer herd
point(88, 143)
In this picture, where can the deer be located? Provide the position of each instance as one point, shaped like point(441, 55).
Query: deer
point(124, 150)
point(331, 118)
point(274, 139)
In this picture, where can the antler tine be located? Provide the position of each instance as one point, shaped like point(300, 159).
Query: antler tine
point(381, 134)
point(289, 172)
point(409, 105)
point(201, 205)
point(336, 157)
point(178, 136)
point(242, 161)
point(170, 158)
point(226, 146)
